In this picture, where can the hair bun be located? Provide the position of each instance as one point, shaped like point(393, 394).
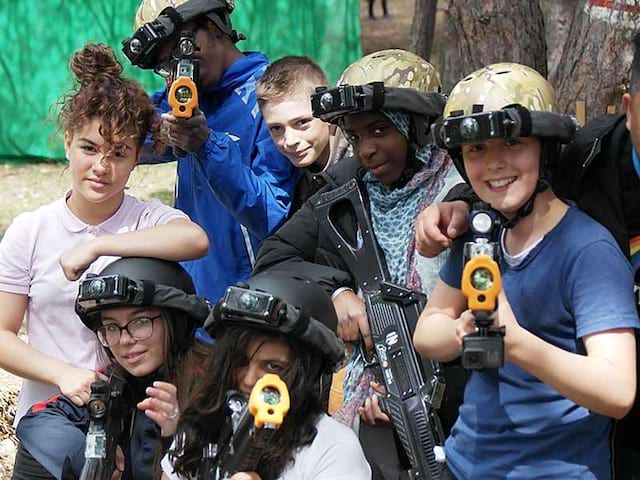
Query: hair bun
point(95, 61)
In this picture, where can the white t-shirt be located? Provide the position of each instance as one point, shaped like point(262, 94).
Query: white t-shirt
point(29, 265)
point(334, 454)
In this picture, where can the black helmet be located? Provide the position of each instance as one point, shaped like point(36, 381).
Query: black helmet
point(281, 303)
point(142, 281)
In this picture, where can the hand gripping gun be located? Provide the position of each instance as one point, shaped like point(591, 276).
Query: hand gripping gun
point(481, 284)
point(249, 429)
point(414, 388)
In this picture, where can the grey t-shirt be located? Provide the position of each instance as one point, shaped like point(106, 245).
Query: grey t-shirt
point(335, 454)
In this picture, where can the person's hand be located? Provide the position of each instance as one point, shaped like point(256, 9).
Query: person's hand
point(371, 412)
point(465, 326)
point(188, 134)
point(119, 464)
point(75, 261)
point(352, 318)
point(439, 224)
point(245, 476)
point(75, 383)
point(161, 406)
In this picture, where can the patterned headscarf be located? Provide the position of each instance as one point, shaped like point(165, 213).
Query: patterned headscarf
point(394, 212)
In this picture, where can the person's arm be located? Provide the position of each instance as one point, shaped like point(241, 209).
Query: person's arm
point(436, 335)
point(599, 292)
point(178, 240)
point(294, 247)
point(19, 358)
point(256, 191)
point(603, 381)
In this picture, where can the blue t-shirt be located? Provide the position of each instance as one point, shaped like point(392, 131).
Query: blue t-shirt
point(575, 282)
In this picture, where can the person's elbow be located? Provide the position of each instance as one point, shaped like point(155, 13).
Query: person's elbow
point(421, 340)
point(621, 403)
point(200, 241)
point(196, 240)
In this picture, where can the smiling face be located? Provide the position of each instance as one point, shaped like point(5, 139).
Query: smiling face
point(300, 137)
point(99, 170)
point(378, 145)
point(266, 355)
point(138, 357)
point(503, 173)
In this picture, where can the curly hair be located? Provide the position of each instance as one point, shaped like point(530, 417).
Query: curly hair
point(101, 92)
point(204, 414)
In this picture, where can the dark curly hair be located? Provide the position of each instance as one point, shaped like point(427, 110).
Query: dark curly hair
point(101, 92)
point(205, 407)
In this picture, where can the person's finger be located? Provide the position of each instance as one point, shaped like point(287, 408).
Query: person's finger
point(434, 232)
point(167, 117)
point(459, 223)
point(101, 376)
point(368, 417)
point(84, 396)
point(170, 388)
point(378, 414)
point(378, 388)
point(160, 394)
point(363, 327)
point(158, 418)
point(77, 400)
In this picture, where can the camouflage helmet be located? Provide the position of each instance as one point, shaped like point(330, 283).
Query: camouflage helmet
point(149, 10)
point(499, 85)
point(394, 67)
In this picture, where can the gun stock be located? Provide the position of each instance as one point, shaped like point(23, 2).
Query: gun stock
point(414, 388)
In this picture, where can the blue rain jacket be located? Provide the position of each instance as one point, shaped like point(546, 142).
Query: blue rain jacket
point(238, 187)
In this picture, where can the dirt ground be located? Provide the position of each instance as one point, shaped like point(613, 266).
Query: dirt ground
point(26, 187)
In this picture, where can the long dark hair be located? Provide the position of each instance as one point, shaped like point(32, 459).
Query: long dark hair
point(185, 357)
point(204, 413)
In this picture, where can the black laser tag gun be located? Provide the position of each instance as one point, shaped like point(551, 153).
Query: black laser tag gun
point(107, 413)
point(249, 429)
point(414, 387)
point(481, 284)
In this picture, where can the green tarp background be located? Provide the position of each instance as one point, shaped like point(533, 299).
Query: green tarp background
point(38, 37)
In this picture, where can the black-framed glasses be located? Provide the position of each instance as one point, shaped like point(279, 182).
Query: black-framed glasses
point(140, 328)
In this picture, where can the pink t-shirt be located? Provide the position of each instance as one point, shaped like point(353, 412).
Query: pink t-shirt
point(29, 265)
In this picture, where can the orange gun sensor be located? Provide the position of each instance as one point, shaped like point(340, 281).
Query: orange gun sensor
point(269, 402)
point(183, 97)
point(481, 283)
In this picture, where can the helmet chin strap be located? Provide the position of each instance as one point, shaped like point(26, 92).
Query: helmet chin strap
point(527, 208)
point(548, 151)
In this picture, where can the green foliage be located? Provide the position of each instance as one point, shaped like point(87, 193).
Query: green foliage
point(38, 38)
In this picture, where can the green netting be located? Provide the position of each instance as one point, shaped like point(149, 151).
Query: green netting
point(38, 37)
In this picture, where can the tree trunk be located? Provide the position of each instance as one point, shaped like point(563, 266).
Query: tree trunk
point(424, 22)
point(558, 15)
point(482, 32)
point(594, 65)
